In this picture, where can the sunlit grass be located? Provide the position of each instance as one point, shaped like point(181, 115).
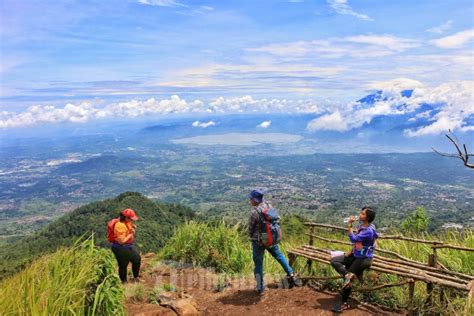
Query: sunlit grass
point(79, 280)
point(225, 248)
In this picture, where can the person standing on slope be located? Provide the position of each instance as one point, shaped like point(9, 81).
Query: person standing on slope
point(123, 244)
point(264, 232)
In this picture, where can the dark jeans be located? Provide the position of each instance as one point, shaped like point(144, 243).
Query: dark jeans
point(258, 251)
point(124, 256)
point(344, 264)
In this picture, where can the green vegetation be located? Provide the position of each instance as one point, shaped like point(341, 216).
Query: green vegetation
point(135, 292)
point(155, 226)
point(417, 222)
point(222, 247)
point(79, 280)
point(226, 249)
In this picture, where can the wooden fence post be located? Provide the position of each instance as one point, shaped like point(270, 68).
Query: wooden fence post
point(309, 263)
point(429, 285)
point(411, 294)
point(469, 308)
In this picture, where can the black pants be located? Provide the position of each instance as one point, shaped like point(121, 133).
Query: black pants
point(125, 255)
point(344, 264)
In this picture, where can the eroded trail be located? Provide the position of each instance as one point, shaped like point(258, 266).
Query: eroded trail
point(195, 294)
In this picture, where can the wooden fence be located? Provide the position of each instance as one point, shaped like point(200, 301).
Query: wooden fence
point(432, 272)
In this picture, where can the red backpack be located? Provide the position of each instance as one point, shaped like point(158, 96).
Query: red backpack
point(110, 229)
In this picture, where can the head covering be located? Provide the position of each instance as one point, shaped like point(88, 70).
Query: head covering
point(130, 214)
point(256, 195)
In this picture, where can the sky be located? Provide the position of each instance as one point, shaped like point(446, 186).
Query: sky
point(81, 61)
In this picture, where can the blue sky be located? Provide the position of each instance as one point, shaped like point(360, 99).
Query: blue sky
point(70, 60)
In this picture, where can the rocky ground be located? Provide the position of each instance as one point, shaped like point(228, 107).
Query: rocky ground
point(191, 291)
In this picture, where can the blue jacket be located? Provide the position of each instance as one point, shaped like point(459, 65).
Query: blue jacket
point(364, 241)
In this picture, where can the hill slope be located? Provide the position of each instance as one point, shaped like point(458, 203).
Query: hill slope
point(155, 226)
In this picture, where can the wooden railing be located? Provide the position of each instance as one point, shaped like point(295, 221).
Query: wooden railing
point(432, 272)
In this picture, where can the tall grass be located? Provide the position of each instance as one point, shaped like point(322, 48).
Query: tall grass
point(222, 247)
point(226, 249)
point(79, 280)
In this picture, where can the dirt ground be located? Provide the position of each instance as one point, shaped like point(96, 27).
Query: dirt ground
point(236, 296)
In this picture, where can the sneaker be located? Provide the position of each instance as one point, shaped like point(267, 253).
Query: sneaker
point(339, 308)
point(348, 279)
point(260, 292)
point(136, 280)
point(294, 281)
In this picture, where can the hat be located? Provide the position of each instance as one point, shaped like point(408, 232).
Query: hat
point(130, 214)
point(256, 195)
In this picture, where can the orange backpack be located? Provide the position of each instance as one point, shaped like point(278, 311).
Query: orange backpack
point(110, 229)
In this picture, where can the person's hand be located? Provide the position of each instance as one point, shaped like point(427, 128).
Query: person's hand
point(352, 219)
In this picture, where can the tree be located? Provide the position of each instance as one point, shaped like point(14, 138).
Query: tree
point(416, 222)
point(464, 156)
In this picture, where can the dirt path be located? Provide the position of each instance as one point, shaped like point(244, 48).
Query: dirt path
point(238, 297)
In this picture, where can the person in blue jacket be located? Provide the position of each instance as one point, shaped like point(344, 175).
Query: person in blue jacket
point(353, 263)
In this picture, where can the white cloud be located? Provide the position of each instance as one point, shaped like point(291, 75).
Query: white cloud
point(265, 124)
point(454, 41)
point(455, 104)
point(162, 3)
point(390, 42)
point(441, 28)
point(360, 46)
point(342, 7)
point(75, 113)
point(329, 122)
point(202, 124)
point(85, 112)
point(452, 101)
point(396, 85)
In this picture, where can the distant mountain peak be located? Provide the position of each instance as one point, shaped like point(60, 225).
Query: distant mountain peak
point(379, 96)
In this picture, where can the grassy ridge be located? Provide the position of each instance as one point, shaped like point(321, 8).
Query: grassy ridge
point(79, 280)
point(227, 249)
point(156, 223)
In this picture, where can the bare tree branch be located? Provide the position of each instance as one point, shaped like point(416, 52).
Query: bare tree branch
point(463, 156)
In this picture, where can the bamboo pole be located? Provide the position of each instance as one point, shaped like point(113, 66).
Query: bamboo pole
point(396, 237)
point(434, 243)
point(331, 240)
point(382, 286)
point(402, 271)
point(376, 249)
point(311, 224)
point(412, 263)
point(321, 277)
point(401, 266)
point(453, 247)
point(400, 237)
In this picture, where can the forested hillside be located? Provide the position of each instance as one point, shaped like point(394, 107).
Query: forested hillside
point(155, 226)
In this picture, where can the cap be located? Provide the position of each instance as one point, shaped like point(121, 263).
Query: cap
point(130, 214)
point(256, 195)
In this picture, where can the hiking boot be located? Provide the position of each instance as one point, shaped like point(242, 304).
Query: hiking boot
point(293, 280)
point(136, 280)
point(339, 308)
point(260, 292)
point(348, 279)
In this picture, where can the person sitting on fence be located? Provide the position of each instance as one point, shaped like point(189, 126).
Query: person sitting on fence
point(353, 263)
point(264, 231)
